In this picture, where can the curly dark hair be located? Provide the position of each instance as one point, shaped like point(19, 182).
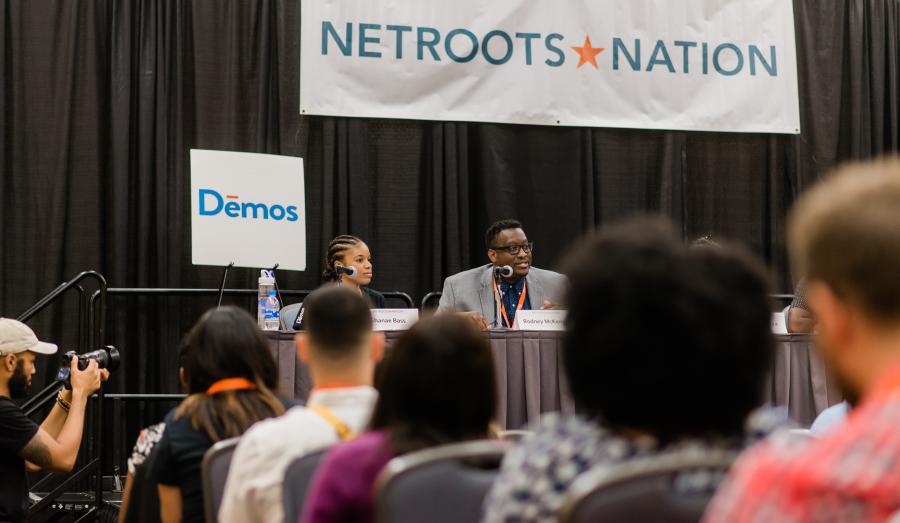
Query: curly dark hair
point(496, 228)
point(663, 338)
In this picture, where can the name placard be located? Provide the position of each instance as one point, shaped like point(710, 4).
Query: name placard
point(779, 325)
point(541, 320)
point(394, 319)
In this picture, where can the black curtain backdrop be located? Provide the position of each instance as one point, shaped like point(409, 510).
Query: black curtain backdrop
point(102, 100)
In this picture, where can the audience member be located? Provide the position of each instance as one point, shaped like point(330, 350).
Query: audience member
point(230, 376)
point(689, 382)
point(52, 446)
point(492, 301)
point(140, 499)
point(830, 419)
point(844, 235)
point(436, 386)
point(341, 350)
point(350, 252)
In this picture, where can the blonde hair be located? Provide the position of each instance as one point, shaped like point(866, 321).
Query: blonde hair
point(845, 232)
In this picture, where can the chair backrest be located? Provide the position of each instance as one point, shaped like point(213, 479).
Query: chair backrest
point(431, 300)
point(673, 487)
point(289, 315)
point(398, 296)
point(143, 499)
point(297, 479)
point(445, 484)
point(514, 435)
point(214, 470)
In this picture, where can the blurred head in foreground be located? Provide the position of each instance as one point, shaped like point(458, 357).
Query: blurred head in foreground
point(844, 236)
point(662, 338)
point(436, 385)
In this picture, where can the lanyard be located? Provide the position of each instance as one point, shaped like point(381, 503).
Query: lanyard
point(230, 384)
point(506, 321)
point(343, 431)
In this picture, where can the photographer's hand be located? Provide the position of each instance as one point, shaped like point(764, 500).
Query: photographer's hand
point(58, 452)
point(85, 382)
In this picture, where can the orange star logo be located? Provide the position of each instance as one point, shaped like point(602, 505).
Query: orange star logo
point(587, 54)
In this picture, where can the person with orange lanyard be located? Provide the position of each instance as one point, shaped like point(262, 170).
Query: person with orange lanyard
point(341, 351)
point(231, 380)
point(492, 294)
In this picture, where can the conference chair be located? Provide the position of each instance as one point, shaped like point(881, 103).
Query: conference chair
point(401, 297)
point(445, 484)
point(297, 480)
point(514, 436)
point(674, 487)
point(289, 316)
point(214, 471)
point(431, 300)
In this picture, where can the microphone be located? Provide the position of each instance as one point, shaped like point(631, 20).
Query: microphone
point(506, 271)
point(342, 269)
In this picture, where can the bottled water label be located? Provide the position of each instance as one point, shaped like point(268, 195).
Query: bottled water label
point(272, 313)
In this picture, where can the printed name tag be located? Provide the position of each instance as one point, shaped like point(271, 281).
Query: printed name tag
point(541, 320)
point(779, 325)
point(394, 319)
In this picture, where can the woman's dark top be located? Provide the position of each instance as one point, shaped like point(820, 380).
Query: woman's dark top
point(177, 459)
point(376, 301)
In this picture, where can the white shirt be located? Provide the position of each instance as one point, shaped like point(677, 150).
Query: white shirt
point(253, 491)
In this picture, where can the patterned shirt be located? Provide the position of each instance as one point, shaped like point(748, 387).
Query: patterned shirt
point(146, 441)
point(850, 475)
point(799, 300)
point(536, 474)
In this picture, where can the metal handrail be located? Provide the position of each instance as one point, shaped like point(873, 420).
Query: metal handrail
point(86, 335)
point(41, 399)
point(63, 287)
point(61, 488)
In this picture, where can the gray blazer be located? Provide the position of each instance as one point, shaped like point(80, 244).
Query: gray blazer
point(472, 290)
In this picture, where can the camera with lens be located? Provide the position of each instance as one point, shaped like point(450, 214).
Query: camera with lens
point(106, 358)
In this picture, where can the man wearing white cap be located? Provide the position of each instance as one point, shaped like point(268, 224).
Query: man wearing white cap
point(52, 446)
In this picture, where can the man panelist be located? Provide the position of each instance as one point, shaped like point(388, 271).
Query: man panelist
point(492, 294)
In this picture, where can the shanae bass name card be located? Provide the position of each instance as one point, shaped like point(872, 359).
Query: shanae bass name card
point(394, 319)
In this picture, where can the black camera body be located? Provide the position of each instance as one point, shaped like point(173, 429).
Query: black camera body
point(106, 358)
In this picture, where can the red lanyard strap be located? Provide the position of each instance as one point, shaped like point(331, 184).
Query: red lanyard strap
point(506, 321)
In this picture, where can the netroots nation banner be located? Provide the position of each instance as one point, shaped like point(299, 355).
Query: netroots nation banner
point(717, 65)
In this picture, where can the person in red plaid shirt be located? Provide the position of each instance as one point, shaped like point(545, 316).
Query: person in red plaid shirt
point(845, 236)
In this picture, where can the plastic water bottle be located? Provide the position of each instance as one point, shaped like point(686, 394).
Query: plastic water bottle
point(266, 284)
point(273, 313)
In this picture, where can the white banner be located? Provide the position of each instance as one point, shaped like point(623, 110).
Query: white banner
point(710, 65)
point(248, 209)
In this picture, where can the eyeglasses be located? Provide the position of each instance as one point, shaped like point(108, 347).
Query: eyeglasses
point(514, 249)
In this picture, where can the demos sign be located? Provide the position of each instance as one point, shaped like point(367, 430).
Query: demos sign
point(719, 65)
point(247, 209)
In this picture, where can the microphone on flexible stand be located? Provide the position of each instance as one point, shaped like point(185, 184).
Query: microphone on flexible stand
point(505, 271)
point(341, 269)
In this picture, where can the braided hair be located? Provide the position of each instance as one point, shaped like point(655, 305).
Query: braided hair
point(336, 249)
